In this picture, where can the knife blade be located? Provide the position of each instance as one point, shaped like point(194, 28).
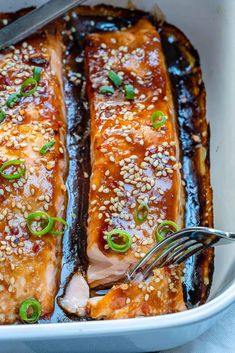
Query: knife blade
point(34, 20)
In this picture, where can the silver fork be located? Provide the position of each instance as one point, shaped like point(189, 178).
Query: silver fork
point(179, 246)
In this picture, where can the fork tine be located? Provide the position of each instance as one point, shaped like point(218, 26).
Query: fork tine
point(183, 243)
point(158, 247)
point(196, 248)
point(170, 259)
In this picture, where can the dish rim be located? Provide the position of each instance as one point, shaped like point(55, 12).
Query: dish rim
point(115, 327)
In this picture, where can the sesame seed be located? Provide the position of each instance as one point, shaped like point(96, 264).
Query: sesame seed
point(146, 297)
point(47, 198)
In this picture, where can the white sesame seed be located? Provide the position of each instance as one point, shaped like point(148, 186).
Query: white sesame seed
point(146, 297)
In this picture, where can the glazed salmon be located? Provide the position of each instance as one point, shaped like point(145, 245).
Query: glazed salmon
point(133, 162)
point(160, 294)
point(30, 265)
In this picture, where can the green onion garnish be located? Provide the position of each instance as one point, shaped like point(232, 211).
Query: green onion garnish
point(37, 73)
point(60, 220)
point(45, 148)
point(142, 212)
point(40, 216)
point(107, 90)
point(28, 87)
point(35, 309)
point(2, 115)
point(115, 78)
point(119, 240)
point(46, 221)
point(13, 99)
point(165, 228)
point(16, 175)
point(160, 122)
point(129, 92)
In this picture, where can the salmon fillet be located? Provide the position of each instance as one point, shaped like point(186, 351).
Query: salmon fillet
point(160, 294)
point(132, 162)
point(30, 265)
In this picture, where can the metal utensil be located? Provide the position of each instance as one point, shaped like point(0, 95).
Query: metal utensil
point(34, 20)
point(179, 246)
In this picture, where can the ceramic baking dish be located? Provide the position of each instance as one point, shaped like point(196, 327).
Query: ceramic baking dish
point(209, 25)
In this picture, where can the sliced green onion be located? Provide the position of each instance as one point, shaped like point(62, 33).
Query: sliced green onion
point(107, 90)
point(30, 305)
point(129, 92)
point(43, 216)
point(45, 148)
point(13, 99)
point(160, 117)
point(119, 240)
point(14, 175)
point(115, 78)
point(60, 220)
point(25, 90)
point(37, 73)
point(142, 212)
point(2, 115)
point(35, 216)
point(165, 228)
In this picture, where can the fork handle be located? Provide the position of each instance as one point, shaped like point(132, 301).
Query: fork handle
point(225, 236)
point(221, 234)
point(214, 236)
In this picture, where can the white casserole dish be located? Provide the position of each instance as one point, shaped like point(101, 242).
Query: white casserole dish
point(210, 25)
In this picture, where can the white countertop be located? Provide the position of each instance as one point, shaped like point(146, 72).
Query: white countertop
point(219, 339)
